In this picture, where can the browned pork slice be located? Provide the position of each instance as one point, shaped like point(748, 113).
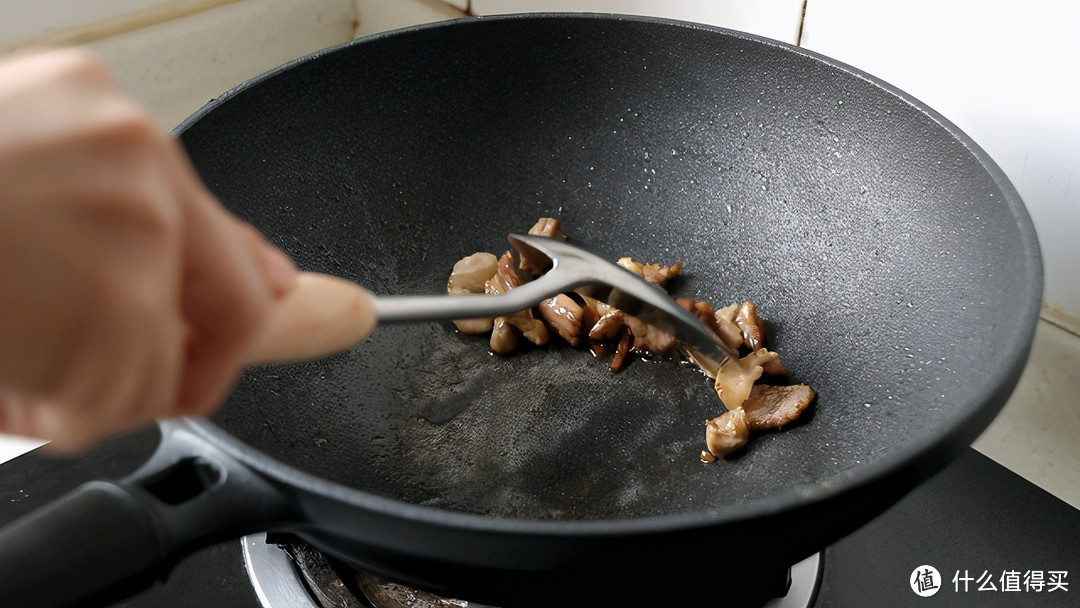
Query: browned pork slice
point(565, 316)
point(505, 330)
point(750, 326)
point(703, 311)
point(547, 226)
point(773, 407)
point(505, 278)
point(735, 379)
point(727, 432)
point(468, 277)
point(726, 328)
point(657, 274)
point(471, 272)
point(648, 335)
point(651, 335)
point(611, 328)
point(534, 262)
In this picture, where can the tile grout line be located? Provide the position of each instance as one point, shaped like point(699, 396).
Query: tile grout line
point(802, 23)
point(1060, 321)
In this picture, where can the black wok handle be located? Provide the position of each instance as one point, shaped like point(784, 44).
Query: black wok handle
point(106, 540)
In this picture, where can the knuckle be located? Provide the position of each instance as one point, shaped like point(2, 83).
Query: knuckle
point(80, 61)
point(124, 121)
point(140, 230)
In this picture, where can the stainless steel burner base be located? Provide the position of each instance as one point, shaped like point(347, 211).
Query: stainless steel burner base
point(279, 584)
point(805, 578)
point(274, 575)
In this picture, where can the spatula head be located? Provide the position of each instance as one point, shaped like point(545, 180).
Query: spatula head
point(619, 287)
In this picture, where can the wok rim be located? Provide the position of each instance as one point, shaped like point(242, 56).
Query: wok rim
point(971, 416)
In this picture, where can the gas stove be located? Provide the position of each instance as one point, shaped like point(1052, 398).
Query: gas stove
point(289, 573)
point(974, 535)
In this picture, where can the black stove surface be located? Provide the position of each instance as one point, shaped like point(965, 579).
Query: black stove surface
point(977, 523)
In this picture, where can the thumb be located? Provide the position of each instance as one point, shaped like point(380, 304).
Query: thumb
point(321, 315)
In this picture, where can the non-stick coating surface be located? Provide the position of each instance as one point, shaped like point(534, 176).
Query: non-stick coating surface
point(898, 272)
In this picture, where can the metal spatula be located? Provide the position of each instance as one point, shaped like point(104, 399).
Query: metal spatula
point(325, 314)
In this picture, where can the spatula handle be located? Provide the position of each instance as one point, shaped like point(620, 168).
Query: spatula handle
point(322, 315)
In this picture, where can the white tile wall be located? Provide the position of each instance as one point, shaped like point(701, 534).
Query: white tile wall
point(384, 15)
point(22, 19)
point(176, 66)
point(461, 5)
point(776, 19)
point(1037, 435)
point(1007, 73)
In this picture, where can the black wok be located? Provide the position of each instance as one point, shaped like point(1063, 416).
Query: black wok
point(897, 267)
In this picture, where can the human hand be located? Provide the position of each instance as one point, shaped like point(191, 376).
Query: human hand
point(127, 293)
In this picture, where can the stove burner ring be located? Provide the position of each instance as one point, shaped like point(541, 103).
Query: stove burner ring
point(274, 575)
point(280, 582)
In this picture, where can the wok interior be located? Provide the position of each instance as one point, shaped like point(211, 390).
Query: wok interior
point(873, 241)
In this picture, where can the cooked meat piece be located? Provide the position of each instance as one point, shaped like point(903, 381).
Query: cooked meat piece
point(504, 331)
point(547, 226)
point(702, 310)
point(727, 432)
point(650, 336)
point(726, 328)
point(602, 349)
point(608, 327)
point(773, 407)
point(532, 328)
point(750, 325)
point(775, 367)
point(537, 264)
point(723, 322)
point(619, 360)
point(469, 276)
point(504, 337)
point(653, 273)
point(704, 313)
point(505, 277)
point(471, 272)
point(564, 315)
point(474, 326)
point(576, 317)
point(709, 366)
point(591, 310)
point(735, 379)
